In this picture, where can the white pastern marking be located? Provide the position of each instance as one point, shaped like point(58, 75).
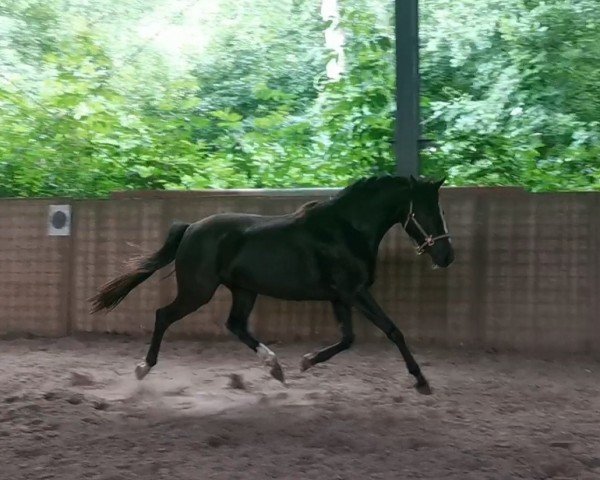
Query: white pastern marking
point(266, 355)
point(142, 370)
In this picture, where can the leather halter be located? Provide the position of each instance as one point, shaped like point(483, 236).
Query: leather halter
point(429, 240)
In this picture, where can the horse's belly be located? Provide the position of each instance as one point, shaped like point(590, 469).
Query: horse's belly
point(290, 277)
point(290, 292)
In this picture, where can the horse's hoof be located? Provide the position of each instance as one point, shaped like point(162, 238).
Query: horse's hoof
point(306, 362)
point(142, 370)
point(423, 388)
point(270, 360)
point(277, 372)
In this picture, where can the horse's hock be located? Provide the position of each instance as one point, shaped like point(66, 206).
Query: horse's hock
point(526, 275)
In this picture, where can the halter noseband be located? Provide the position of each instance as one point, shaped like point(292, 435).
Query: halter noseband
point(429, 240)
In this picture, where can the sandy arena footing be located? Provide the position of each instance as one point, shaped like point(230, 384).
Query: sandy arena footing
point(71, 409)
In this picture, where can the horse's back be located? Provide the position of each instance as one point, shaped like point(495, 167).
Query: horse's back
point(212, 239)
point(271, 255)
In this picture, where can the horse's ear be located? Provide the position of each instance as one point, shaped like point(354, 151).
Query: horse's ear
point(439, 183)
point(412, 182)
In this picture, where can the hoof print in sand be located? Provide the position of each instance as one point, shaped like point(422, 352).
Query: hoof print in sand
point(75, 399)
point(100, 405)
point(81, 380)
point(236, 382)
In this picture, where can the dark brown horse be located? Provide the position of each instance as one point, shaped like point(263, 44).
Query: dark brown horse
point(324, 251)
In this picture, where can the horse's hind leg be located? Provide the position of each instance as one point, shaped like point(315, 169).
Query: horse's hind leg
point(241, 307)
point(183, 305)
point(343, 315)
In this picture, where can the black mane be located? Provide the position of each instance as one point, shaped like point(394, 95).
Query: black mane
point(370, 185)
point(357, 193)
point(365, 186)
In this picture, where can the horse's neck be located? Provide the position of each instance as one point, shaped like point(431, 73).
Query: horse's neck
point(374, 218)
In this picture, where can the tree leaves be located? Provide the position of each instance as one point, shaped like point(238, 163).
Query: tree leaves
point(510, 96)
point(517, 87)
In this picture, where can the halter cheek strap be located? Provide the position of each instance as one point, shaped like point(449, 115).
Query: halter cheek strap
point(429, 240)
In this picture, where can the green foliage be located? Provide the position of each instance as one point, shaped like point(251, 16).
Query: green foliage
point(355, 115)
point(510, 95)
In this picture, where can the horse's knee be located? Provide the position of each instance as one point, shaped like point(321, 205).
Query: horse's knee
point(160, 316)
point(396, 336)
point(348, 340)
point(233, 326)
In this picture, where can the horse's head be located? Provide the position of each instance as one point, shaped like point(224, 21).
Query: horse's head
point(425, 222)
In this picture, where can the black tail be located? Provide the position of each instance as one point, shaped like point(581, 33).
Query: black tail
point(111, 294)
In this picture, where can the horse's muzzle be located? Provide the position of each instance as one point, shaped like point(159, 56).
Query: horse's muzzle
point(445, 261)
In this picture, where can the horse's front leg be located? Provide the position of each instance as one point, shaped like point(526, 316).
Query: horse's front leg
point(371, 309)
point(343, 315)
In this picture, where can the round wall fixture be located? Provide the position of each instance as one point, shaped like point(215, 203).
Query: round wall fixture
point(59, 220)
